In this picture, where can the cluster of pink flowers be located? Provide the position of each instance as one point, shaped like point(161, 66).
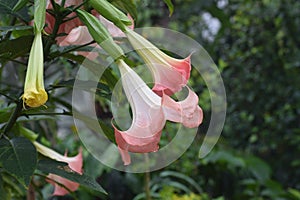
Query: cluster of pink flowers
point(73, 31)
point(151, 108)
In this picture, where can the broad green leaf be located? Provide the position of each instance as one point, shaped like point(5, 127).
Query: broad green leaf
point(18, 157)
point(39, 14)
point(19, 5)
point(170, 6)
point(11, 49)
point(63, 170)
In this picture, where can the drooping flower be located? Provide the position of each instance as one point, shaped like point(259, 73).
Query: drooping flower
point(149, 114)
point(170, 74)
point(75, 163)
point(34, 91)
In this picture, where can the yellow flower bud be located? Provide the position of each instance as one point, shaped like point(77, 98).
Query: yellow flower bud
point(34, 91)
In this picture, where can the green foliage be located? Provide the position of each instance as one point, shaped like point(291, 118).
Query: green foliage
point(257, 51)
point(19, 157)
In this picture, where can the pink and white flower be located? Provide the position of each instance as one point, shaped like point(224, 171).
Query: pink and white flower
point(150, 113)
point(170, 74)
point(75, 163)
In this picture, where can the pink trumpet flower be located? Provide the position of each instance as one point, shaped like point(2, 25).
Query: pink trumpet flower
point(150, 113)
point(75, 163)
point(170, 74)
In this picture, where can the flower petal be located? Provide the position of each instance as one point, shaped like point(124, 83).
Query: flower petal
point(77, 36)
point(35, 98)
point(148, 118)
point(61, 191)
point(186, 112)
point(170, 74)
point(125, 156)
point(76, 162)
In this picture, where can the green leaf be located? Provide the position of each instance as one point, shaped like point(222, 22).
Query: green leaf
point(19, 5)
point(62, 169)
point(11, 49)
point(170, 6)
point(18, 157)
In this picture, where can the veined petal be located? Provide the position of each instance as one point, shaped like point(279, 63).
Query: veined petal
point(170, 74)
point(148, 118)
point(186, 112)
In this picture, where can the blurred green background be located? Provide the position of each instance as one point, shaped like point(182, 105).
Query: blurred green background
point(256, 46)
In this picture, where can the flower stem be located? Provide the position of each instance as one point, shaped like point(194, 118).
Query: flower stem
point(147, 179)
point(30, 192)
point(147, 185)
point(13, 118)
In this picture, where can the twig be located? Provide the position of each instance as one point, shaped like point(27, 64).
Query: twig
point(13, 118)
